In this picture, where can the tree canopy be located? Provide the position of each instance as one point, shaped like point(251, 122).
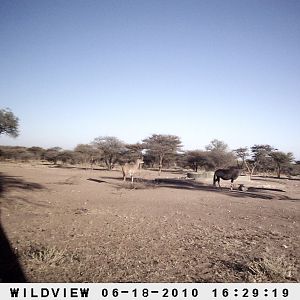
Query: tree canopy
point(281, 160)
point(220, 155)
point(161, 145)
point(111, 149)
point(199, 159)
point(9, 123)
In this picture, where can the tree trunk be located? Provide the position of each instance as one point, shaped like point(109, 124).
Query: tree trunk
point(248, 169)
point(108, 165)
point(252, 171)
point(160, 165)
point(278, 171)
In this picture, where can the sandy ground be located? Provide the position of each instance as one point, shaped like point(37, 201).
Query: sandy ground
point(77, 225)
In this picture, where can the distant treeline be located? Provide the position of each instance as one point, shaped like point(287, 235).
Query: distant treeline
point(158, 150)
point(161, 151)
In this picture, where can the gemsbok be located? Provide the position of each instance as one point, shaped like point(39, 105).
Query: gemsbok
point(129, 169)
point(226, 174)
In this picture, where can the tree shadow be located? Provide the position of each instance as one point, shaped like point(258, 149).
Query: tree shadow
point(113, 178)
point(188, 184)
point(96, 180)
point(274, 178)
point(10, 267)
point(58, 166)
point(120, 184)
point(258, 193)
point(16, 182)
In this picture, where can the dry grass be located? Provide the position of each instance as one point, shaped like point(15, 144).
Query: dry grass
point(76, 226)
point(49, 260)
point(43, 255)
point(112, 263)
point(271, 269)
point(264, 268)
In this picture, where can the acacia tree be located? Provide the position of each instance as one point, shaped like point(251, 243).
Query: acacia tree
point(219, 153)
point(261, 158)
point(199, 159)
point(281, 160)
point(9, 123)
point(161, 145)
point(52, 154)
point(130, 153)
point(149, 159)
point(243, 154)
point(66, 156)
point(37, 152)
point(217, 145)
point(294, 169)
point(111, 149)
point(15, 153)
point(86, 154)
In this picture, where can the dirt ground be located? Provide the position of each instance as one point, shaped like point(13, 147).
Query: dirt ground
point(77, 225)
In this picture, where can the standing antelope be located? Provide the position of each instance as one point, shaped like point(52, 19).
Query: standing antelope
point(131, 168)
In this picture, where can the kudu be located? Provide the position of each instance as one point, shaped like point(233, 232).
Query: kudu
point(226, 174)
point(129, 169)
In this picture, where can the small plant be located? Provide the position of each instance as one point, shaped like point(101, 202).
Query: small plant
point(270, 268)
point(42, 254)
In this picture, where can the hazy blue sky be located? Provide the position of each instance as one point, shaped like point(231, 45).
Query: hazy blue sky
point(75, 70)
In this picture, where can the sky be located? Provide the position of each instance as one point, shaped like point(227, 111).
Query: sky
point(75, 70)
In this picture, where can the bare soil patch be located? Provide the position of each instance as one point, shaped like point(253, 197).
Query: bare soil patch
point(76, 225)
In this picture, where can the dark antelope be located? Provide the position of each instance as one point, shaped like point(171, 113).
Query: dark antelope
point(226, 174)
point(129, 169)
